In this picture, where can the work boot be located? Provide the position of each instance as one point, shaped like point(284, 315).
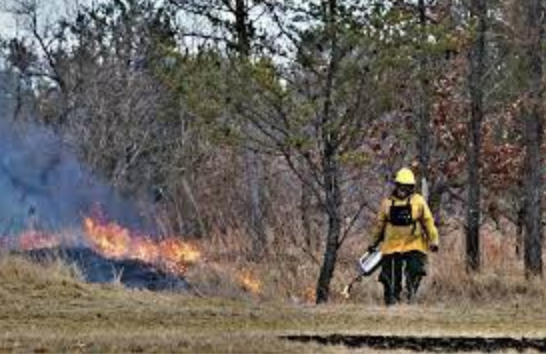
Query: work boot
point(390, 298)
point(410, 298)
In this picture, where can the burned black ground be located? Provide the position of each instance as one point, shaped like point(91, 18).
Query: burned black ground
point(428, 344)
point(95, 268)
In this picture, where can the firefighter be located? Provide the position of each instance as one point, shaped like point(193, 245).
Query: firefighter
point(405, 232)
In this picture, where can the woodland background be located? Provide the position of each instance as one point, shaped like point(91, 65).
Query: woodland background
point(268, 131)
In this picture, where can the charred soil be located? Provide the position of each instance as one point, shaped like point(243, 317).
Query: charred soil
point(95, 268)
point(427, 344)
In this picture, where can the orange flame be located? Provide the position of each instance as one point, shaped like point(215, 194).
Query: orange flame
point(109, 239)
point(249, 282)
point(115, 241)
point(145, 250)
point(175, 254)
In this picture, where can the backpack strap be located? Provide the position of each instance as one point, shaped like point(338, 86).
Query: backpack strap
point(414, 220)
point(420, 221)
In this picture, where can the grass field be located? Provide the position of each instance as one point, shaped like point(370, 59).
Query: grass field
point(48, 310)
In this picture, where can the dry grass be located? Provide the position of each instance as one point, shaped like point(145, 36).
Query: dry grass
point(48, 309)
point(288, 274)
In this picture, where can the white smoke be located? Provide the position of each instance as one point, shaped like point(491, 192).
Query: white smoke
point(44, 186)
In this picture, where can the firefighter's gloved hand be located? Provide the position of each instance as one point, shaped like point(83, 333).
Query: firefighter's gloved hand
point(372, 248)
point(433, 248)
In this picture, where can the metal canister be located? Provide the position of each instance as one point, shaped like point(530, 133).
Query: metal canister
point(370, 261)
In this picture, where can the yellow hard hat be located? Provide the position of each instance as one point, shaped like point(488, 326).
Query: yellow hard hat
point(405, 176)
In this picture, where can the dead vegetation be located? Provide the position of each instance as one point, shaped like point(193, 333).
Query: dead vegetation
point(287, 274)
point(48, 309)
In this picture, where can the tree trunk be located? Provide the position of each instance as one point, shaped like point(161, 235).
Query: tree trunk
point(423, 106)
point(533, 125)
point(477, 53)
point(330, 162)
point(254, 169)
point(241, 28)
point(310, 240)
point(254, 178)
point(333, 203)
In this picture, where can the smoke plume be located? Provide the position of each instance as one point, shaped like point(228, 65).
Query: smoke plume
point(43, 186)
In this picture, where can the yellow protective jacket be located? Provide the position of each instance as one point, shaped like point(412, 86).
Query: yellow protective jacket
point(400, 239)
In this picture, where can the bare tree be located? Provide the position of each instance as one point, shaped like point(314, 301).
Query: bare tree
point(254, 171)
point(477, 55)
point(237, 32)
point(532, 117)
point(313, 112)
point(424, 104)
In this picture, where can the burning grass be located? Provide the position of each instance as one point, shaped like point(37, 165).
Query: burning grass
point(105, 251)
point(117, 242)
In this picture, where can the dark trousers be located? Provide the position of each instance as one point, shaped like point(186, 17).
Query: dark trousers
point(394, 267)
